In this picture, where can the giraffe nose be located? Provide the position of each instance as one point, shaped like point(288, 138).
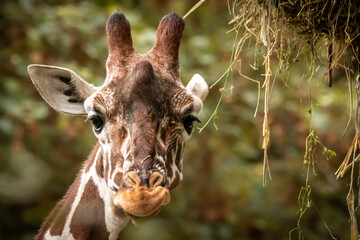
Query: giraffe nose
point(144, 179)
point(147, 179)
point(142, 201)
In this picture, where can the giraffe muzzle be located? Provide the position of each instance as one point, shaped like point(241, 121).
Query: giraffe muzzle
point(139, 199)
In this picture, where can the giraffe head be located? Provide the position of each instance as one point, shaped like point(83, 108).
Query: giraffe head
point(141, 115)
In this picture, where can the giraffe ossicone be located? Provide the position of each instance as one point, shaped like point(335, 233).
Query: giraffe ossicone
point(141, 116)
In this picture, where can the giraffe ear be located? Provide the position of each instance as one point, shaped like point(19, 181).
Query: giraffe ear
point(198, 87)
point(61, 88)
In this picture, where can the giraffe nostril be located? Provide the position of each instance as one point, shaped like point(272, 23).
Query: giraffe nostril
point(156, 179)
point(129, 177)
point(149, 180)
point(132, 180)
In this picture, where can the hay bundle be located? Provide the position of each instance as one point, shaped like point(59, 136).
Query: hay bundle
point(285, 21)
point(286, 27)
point(334, 19)
point(338, 21)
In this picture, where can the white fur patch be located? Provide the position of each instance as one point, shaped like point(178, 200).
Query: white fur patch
point(125, 151)
point(113, 223)
point(48, 236)
point(198, 87)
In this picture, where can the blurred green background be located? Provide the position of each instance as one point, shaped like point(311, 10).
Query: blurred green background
point(222, 196)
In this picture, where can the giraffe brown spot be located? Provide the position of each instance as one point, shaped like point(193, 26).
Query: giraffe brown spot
point(88, 221)
point(175, 182)
point(118, 178)
point(169, 157)
point(55, 222)
point(168, 164)
point(179, 156)
point(99, 166)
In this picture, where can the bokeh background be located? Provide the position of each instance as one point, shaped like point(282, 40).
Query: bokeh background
point(222, 195)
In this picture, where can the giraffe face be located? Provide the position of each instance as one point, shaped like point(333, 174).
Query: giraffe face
point(142, 123)
point(142, 115)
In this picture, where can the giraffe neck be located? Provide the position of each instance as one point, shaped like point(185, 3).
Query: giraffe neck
point(86, 211)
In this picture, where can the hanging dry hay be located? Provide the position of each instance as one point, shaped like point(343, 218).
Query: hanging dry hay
point(338, 21)
point(288, 28)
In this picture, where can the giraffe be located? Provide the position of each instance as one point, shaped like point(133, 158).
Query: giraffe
point(141, 115)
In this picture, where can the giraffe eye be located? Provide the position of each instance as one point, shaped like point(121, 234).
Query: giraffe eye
point(97, 122)
point(188, 123)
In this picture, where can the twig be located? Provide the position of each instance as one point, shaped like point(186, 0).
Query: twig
point(193, 8)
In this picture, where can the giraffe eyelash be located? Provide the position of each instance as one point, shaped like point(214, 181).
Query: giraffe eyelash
point(97, 121)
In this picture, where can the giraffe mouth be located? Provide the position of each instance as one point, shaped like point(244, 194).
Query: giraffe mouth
point(141, 201)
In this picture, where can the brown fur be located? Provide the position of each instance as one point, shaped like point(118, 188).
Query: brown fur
point(99, 166)
point(118, 32)
point(91, 157)
point(89, 217)
point(143, 98)
point(56, 219)
point(168, 36)
point(175, 182)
